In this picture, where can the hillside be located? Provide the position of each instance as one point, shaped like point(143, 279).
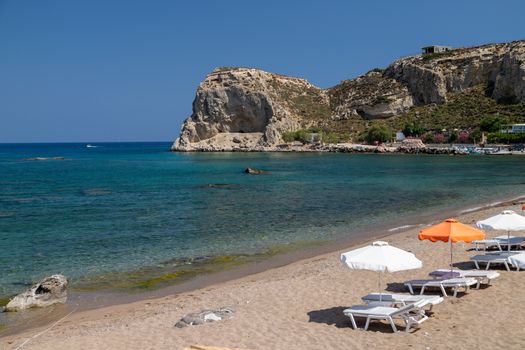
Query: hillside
point(249, 109)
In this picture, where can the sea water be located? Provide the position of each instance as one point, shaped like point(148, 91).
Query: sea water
point(134, 215)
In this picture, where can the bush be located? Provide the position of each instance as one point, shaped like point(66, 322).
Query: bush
point(502, 137)
point(464, 137)
point(304, 135)
point(492, 123)
point(428, 137)
point(413, 129)
point(378, 132)
point(330, 137)
point(439, 138)
point(453, 137)
point(289, 136)
point(475, 136)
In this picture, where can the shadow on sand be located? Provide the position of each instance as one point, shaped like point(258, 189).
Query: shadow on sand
point(334, 317)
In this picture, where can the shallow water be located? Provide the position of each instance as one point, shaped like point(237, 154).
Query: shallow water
point(133, 215)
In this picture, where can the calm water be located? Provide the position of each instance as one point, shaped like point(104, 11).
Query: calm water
point(129, 211)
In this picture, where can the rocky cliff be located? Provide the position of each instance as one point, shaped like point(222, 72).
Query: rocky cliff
point(249, 109)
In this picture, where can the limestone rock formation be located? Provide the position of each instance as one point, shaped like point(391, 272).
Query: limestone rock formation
point(244, 109)
point(247, 109)
point(51, 290)
point(429, 78)
point(371, 96)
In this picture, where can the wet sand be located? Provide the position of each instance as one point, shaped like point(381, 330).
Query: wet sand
point(299, 306)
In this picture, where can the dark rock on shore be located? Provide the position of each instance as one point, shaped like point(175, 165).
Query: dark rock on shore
point(51, 290)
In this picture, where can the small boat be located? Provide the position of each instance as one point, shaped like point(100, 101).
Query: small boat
point(91, 146)
point(500, 152)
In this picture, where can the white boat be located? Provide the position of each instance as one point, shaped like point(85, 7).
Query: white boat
point(500, 152)
point(91, 146)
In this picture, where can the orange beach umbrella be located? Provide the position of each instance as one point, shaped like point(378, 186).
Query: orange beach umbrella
point(451, 231)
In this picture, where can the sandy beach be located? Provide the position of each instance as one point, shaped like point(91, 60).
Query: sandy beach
point(299, 306)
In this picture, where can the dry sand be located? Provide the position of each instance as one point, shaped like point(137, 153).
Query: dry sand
point(299, 306)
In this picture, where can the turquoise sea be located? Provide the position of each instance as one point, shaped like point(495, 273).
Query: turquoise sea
point(131, 216)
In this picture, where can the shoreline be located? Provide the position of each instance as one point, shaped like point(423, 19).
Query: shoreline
point(99, 301)
point(353, 148)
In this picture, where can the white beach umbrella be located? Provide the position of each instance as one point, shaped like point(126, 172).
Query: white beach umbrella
point(380, 257)
point(507, 220)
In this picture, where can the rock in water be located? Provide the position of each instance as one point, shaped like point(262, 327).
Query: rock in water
point(255, 171)
point(204, 316)
point(51, 290)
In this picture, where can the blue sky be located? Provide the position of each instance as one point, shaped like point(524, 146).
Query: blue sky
point(103, 70)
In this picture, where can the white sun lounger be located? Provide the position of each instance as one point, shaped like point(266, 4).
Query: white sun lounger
point(499, 242)
point(486, 243)
point(411, 314)
point(453, 283)
point(403, 299)
point(489, 259)
point(484, 277)
point(517, 260)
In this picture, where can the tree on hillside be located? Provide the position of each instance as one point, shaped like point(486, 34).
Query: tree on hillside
point(492, 123)
point(413, 129)
point(378, 132)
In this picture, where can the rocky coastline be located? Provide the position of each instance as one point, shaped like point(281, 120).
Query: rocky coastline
point(247, 109)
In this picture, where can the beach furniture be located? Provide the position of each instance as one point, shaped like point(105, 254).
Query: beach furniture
point(499, 242)
point(411, 314)
point(455, 284)
point(380, 257)
point(517, 260)
point(489, 259)
point(451, 230)
point(508, 221)
point(486, 244)
point(403, 299)
point(483, 277)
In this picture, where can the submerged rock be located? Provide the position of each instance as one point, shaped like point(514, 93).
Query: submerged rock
point(255, 171)
point(197, 318)
point(45, 158)
point(227, 186)
point(51, 290)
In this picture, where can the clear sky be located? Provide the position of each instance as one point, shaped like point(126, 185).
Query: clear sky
point(108, 70)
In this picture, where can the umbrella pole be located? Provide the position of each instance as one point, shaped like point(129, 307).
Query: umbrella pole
point(451, 259)
point(379, 287)
point(508, 240)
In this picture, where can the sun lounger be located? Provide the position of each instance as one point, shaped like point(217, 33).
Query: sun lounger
point(486, 243)
point(499, 242)
point(489, 259)
point(411, 314)
point(483, 277)
point(512, 240)
point(517, 260)
point(403, 299)
point(455, 284)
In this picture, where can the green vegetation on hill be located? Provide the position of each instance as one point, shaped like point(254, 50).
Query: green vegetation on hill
point(470, 110)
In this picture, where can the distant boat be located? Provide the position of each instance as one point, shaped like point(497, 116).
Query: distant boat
point(500, 152)
point(91, 146)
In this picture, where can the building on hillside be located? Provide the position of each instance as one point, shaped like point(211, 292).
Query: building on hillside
point(435, 49)
point(517, 128)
